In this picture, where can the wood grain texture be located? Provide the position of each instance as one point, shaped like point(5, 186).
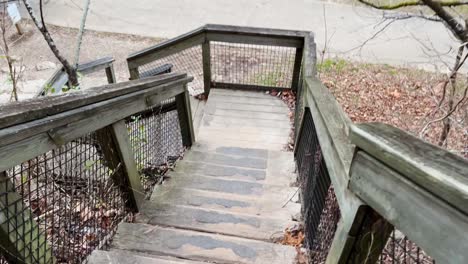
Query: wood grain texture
point(435, 169)
point(206, 57)
point(25, 141)
point(438, 228)
point(185, 118)
point(127, 157)
point(24, 111)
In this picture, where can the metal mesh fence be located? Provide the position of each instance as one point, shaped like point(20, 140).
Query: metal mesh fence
point(188, 61)
point(400, 250)
point(69, 195)
point(252, 65)
point(156, 140)
point(319, 205)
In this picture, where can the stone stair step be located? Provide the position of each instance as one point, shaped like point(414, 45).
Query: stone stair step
point(199, 246)
point(213, 221)
point(228, 203)
point(126, 257)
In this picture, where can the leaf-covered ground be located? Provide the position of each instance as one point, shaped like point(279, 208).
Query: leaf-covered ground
point(405, 98)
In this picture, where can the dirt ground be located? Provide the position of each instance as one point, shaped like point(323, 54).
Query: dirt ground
point(403, 97)
point(32, 49)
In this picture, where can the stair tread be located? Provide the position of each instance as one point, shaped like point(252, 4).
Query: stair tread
point(228, 202)
point(126, 257)
point(213, 221)
point(252, 189)
point(199, 246)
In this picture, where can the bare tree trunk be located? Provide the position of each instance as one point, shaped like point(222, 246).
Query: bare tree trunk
point(14, 76)
point(69, 69)
point(453, 86)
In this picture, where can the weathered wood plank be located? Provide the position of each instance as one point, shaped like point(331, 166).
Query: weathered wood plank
point(20, 234)
point(254, 31)
point(124, 149)
point(438, 228)
point(185, 118)
point(95, 65)
point(254, 39)
point(166, 48)
point(24, 111)
point(39, 136)
point(331, 124)
point(439, 171)
point(297, 68)
point(110, 74)
point(248, 87)
point(371, 239)
point(206, 57)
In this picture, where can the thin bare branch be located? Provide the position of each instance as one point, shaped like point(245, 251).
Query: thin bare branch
point(410, 3)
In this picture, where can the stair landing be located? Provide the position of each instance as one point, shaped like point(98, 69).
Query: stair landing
point(227, 199)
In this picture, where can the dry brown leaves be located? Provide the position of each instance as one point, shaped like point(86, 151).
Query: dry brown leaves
point(293, 236)
point(405, 98)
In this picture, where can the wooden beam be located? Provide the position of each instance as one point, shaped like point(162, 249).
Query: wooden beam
point(20, 112)
point(134, 72)
point(95, 65)
point(248, 87)
point(264, 32)
point(20, 234)
point(437, 170)
point(371, 239)
point(166, 48)
point(434, 225)
point(255, 39)
point(332, 131)
point(206, 54)
point(297, 69)
point(110, 74)
point(26, 141)
point(127, 157)
point(185, 118)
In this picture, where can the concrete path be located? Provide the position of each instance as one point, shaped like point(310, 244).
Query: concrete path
point(347, 26)
point(227, 199)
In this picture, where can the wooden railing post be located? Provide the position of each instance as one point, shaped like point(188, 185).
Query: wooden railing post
point(119, 155)
point(20, 236)
point(185, 118)
point(297, 69)
point(134, 73)
point(110, 74)
point(206, 54)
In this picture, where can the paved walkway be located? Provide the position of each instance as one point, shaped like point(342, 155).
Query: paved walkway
point(223, 203)
point(347, 26)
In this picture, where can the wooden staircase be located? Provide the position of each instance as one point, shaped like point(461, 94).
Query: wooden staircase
point(227, 199)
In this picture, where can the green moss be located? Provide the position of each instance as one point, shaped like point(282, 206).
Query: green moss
point(332, 64)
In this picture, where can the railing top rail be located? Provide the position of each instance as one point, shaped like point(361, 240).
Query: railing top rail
point(76, 114)
point(437, 170)
point(292, 38)
point(36, 108)
point(95, 65)
point(266, 32)
point(166, 43)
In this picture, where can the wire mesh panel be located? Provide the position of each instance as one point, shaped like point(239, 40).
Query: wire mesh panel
point(156, 140)
point(70, 196)
point(187, 61)
point(400, 250)
point(251, 65)
point(320, 208)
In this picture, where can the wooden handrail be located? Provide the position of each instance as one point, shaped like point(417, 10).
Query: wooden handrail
point(50, 123)
point(437, 170)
